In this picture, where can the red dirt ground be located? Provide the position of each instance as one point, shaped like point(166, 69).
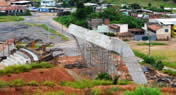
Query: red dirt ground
point(56, 74)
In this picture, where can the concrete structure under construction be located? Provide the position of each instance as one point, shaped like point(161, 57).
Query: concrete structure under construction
point(94, 48)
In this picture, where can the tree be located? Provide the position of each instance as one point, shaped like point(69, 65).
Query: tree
point(135, 6)
point(149, 4)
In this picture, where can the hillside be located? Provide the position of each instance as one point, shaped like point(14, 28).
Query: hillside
point(155, 3)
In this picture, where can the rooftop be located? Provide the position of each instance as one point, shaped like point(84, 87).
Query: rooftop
point(3, 3)
point(154, 27)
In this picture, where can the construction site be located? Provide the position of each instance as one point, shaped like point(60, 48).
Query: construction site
point(89, 54)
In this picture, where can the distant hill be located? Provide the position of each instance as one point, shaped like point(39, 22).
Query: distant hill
point(155, 3)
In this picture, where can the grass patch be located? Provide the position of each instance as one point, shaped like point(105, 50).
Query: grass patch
point(54, 32)
point(96, 91)
point(10, 18)
point(24, 67)
point(45, 27)
point(124, 82)
point(32, 83)
point(17, 83)
point(170, 72)
point(155, 3)
point(154, 61)
point(111, 90)
point(49, 83)
point(144, 91)
point(85, 83)
point(152, 44)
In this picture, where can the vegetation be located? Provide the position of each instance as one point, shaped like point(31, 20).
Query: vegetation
point(111, 90)
point(96, 91)
point(10, 18)
point(103, 76)
point(24, 67)
point(156, 63)
point(85, 83)
point(170, 72)
point(51, 93)
point(49, 83)
point(33, 83)
point(17, 82)
point(124, 82)
point(81, 16)
point(3, 84)
point(155, 3)
point(144, 91)
point(152, 44)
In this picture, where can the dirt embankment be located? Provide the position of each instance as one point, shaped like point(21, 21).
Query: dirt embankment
point(56, 74)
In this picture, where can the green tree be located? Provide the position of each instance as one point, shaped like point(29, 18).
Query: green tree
point(135, 6)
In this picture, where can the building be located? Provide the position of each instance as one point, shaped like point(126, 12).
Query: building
point(126, 36)
point(3, 3)
point(163, 32)
point(167, 22)
point(48, 3)
point(12, 10)
point(22, 3)
point(6, 9)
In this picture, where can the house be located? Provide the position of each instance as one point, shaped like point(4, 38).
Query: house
point(48, 3)
point(3, 3)
point(126, 36)
point(5, 8)
point(94, 23)
point(167, 22)
point(102, 29)
point(163, 32)
point(22, 3)
point(12, 10)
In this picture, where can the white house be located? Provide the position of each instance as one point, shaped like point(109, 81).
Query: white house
point(48, 3)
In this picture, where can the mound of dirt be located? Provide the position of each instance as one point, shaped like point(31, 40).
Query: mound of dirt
point(56, 74)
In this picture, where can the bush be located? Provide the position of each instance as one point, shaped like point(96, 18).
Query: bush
point(17, 82)
point(49, 83)
point(96, 91)
point(3, 84)
point(144, 91)
point(85, 83)
point(156, 63)
point(33, 83)
point(103, 76)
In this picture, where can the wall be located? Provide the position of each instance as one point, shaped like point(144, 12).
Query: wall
point(162, 35)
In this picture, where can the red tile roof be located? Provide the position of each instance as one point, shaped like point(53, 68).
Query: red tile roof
point(113, 26)
point(3, 3)
point(135, 30)
point(12, 8)
point(154, 27)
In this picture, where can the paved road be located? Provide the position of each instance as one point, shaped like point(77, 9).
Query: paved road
point(69, 47)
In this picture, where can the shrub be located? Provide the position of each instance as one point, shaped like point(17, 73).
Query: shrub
point(48, 83)
point(155, 62)
point(3, 84)
point(85, 83)
point(33, 83)
point(144, 91)
point(103, 76)
point(115, 80)
point(96, 91)
point(17, 82)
